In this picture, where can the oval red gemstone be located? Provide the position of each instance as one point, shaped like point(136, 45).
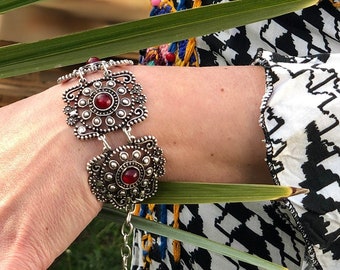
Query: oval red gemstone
point(130, 176)
point(103, 101)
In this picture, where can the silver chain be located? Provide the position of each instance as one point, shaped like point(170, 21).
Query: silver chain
point(127, 132)
point(126, 231)
point(106, 145)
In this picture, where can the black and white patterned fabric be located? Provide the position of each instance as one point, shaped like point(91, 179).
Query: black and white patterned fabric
point(257, 228)
point(300, 116)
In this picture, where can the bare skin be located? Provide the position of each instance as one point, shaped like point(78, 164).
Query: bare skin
point(205, 119)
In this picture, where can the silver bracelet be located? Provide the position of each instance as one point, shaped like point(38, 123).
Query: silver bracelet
point(127, 174)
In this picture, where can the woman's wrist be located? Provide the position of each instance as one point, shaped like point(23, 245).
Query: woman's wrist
point(205, 119)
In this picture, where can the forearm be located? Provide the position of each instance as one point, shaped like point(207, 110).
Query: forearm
point(205, 119)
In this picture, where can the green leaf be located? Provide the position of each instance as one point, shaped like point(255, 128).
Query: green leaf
point(7, 5)
point(131, 36)
point(186, 193)
point(189, 238)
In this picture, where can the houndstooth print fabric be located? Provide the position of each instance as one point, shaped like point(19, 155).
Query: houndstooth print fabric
point(310, 31)
point(300, 116)
point(237, 225)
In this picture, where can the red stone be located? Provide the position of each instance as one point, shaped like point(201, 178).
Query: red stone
point(103, 101)
point(170, 57)
point(130, 176)
point(92, 60)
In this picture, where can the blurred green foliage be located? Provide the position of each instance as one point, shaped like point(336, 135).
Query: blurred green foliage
point(97, 247)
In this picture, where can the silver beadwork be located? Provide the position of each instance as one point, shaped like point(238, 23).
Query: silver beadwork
point(136, 167)
point(128, 174)
point(104, 105)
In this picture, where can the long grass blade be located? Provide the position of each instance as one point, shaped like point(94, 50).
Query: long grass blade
point(190, 238)
point(187, 193)
point(131, 36)
point(7, 5)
